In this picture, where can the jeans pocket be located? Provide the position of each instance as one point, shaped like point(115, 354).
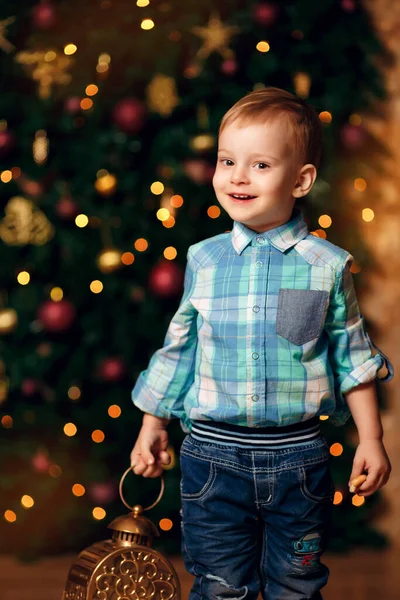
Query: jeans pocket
point(197, 477)
point(316, 482)
point(301, 314)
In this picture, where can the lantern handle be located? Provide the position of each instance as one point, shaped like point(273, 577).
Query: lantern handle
point(122, 496)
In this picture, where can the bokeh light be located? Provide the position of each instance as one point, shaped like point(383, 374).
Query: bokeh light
point(360, 184)
point(27, 501)
point(147, 24)
point(70, 49)
point(165, 524)
point(263, 46)
point(176, 201)
point(78, 489)
point(23, 278)
point(70, 429)
point(325, 117)
point(157, 188)
point(358, 500)
point(336, 449)
point(325, 221)
point(114, 411)
point(141, 245)
point(213, 212)
point(56, 294)
point(98, 436)
point(338, 498)
point(170, 253)
point(368, 214)
point(96, 286)
point(99, 513)
point(10, 516)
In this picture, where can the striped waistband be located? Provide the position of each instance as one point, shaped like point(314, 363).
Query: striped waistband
point(265, 438)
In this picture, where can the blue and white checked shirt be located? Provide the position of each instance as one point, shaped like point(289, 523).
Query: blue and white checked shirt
point(268, 332)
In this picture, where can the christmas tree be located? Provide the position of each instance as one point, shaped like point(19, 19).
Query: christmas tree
point(109, 113)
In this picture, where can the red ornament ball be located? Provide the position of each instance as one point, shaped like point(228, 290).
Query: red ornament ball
point(266, 13)
point(348, 5)
point(353, 136)
point(166, 279)
point(29, 387)
point(229, 66)
point(72, 105)
point(40, 462)
point(129, 115)
point(44, 15)
point(199, 170)
point(66, 208)
point(56, 316)
point(30, 187)
point(103, 493)
point(7, 141)
point(112, 369)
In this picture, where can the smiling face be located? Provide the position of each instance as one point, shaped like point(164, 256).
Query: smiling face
point(259, 175)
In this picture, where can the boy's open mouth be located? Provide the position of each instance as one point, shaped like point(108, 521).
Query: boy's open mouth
point(242, 196)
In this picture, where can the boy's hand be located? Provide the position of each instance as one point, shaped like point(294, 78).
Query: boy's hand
point(371, 458)
point(149, 454)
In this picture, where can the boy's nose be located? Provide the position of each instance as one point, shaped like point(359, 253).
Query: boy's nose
point(239, 176)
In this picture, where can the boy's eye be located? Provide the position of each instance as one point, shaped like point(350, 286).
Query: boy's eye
point(262, 165)
point(227, 162)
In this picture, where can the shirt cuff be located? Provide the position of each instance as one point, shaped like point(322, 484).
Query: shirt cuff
point(143, 399)
point(362, 374)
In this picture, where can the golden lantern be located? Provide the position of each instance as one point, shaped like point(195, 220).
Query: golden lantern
point(125, 566)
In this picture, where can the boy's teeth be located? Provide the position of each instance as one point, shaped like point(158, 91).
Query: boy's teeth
point(241, 197)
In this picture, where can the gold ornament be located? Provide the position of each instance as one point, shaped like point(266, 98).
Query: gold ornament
point(109, 260)
point(47, 67)
point(162, 97)
point(4, 43)
point(4, 383)
point(106, 184)
point(24, 224)
point(202, 142)
point(302, 84)
point(125, 566)
point(40, 147)
point(216, 37)
point(8, 320)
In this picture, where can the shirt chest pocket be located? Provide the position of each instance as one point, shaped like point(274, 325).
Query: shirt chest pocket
point(301, 314)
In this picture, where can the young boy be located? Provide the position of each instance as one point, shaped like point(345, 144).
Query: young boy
point(267, 337)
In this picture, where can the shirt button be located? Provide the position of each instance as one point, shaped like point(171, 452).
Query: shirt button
point(259, 264)
point(255, 398)
point(255, 355)
point(256, 309)
point(261, 240)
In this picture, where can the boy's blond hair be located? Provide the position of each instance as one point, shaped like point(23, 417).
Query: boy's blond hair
point(269, 103)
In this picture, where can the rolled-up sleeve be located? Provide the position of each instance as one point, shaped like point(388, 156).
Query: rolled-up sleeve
point(160, 390)
point(350, 347)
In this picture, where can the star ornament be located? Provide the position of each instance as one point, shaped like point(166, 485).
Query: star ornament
point(216, 38)
point(4, 43)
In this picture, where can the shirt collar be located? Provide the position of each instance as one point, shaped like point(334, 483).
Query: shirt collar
point(283, 237)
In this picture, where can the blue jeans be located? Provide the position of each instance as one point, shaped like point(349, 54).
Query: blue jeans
point(256, 520)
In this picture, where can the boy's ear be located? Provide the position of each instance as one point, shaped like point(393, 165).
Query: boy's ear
point(305, 180)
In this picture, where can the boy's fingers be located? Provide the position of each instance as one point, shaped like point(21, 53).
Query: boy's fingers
point(164, 457)
point(152, 471)
point(371, 484)
point(139, 467)
point(356, 480)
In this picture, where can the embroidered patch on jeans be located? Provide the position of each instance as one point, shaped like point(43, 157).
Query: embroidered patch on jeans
point(306, 549)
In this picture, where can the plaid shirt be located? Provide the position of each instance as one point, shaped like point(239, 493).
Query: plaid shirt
point(268, 332)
